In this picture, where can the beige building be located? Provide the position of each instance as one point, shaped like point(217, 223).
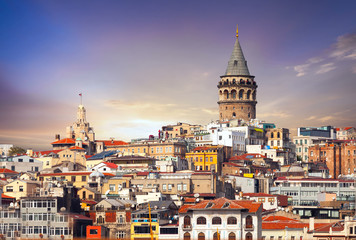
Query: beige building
point(180, 130)
point(237, 89)
point(20, 188)
point(154, 149)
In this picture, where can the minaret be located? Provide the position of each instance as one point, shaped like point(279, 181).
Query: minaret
point(237, 88)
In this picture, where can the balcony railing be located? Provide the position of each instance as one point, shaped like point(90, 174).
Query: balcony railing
point(248, 227)
point(187, 227)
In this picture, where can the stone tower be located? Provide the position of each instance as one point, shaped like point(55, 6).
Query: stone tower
point(237, 88)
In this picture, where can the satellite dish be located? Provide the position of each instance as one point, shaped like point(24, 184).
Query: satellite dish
point(107, 192)
point(196, 195)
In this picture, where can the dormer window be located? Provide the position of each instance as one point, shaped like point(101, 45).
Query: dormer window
point(226, 205)
point(209, 205)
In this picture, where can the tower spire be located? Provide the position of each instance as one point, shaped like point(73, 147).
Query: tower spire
point(237, 30)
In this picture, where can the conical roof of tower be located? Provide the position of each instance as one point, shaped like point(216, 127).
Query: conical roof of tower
point(237, 64)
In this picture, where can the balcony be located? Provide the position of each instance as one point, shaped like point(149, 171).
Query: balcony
point(187, 227)
point(248, 227)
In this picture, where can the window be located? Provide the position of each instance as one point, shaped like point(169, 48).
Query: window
point(20, 160)
point(184, 187)
point(201, 221)
point(169, 187)
point(112, 187)
point(216, 236)
point(164, 187)
point(232, 236)
point(248, 222)
point(91, 196)
point(187, 221)
point(84, 178)
point(12, 168)
point(179, 187)
point(311, 153)
point(73, 178)
point(31, 160)
point(9, 189)
point(187, 236)
point(20, 188)
point(216, 220)
point(231, 221)
point(201, 236)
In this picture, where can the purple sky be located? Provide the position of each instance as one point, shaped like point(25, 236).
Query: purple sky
point(144, 64)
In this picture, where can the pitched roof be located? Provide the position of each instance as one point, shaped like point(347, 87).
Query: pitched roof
point(111, 165)
point(70, 174)
point(43, 153)
point(64, 141)
point(76, 148)
point(281, 222)
point(112, 143)
point(336, 226)
point(237, 64)
point(223, 203)
point(5, 170)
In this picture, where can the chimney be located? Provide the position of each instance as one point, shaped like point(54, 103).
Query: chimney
point(57, 137)
point(311, 224)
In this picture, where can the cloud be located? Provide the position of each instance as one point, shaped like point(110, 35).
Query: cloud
point(343, 50)
point(325, 68)
point(345, 47)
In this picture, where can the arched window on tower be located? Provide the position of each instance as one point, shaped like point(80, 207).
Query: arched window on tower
point(227, 81)
point(241, 94)
point(233, 114)
point(233, 94)
point(226, 94)
point(234, 81)
point(248, 95)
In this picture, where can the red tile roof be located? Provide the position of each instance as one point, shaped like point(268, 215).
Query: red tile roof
point(280, 222)
point(232, 164)
point(88, 202)
point(111, 165)
point(190, 200)
point(112, 143)
point(76, 148)
point(5, 170)
point(70, 174)
point(336, 226)
point(43, 153)
point(64, 141)
point(223, 203)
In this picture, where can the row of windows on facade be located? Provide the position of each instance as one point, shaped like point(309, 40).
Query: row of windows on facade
point(346, 184)
point(52, 231)
point(197, 159)
point(216, 236)
point(232, 94)
point(234, 81)
point(201, 168)
point(301, 142)
point(278, 143)
point(120, 219)
point(33, 169)
point(38, 203)
point(70, 155)
point(9, 227)
point(44, 217)
point(21, 160)
point(158, 150)
point(305, 194)
point(119, 186)
point(217, 221)
point(233, 108)
point(279, 238)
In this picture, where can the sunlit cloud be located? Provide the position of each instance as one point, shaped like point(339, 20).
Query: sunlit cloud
point(343, 50)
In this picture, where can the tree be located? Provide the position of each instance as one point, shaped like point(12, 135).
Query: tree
point(16, 151)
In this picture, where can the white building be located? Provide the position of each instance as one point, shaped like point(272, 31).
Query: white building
point(106, 167)
point(4, 149)
point(268, 201)
point(230, 138)
point(231, 219)
point(22, 163)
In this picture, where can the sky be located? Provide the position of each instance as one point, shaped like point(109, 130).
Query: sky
point(144, 64)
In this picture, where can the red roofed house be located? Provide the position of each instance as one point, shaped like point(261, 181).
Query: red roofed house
point(346, 133)
point(280, 227)
point(341, 230)
point(233, 219)
point(105, 167)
